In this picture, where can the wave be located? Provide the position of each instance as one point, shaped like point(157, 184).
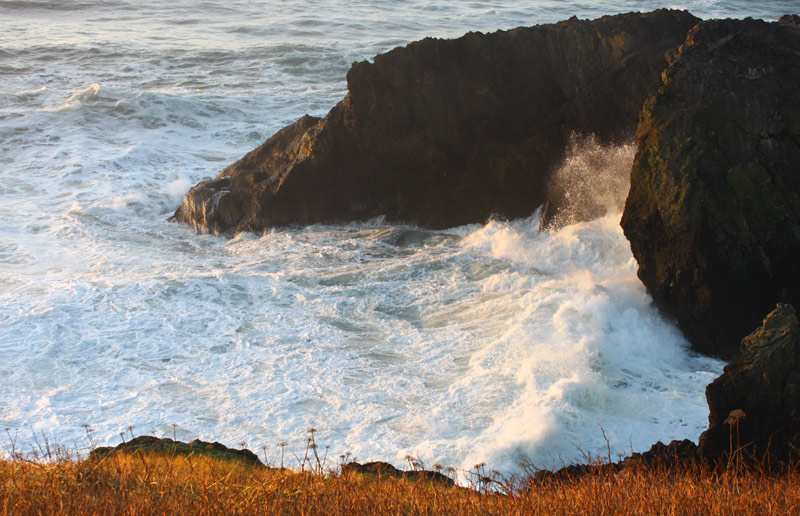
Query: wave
point(88, 94)
point(492, 342)
point(71, 6)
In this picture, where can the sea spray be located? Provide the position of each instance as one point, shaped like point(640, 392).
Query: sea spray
point(592, 180)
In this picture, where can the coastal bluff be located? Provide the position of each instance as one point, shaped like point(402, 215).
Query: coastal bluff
point(442, 133)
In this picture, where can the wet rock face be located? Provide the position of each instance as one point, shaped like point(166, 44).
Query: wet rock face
point(713, 214)
point(219, 205)
point(447, 132)
point(755, 404)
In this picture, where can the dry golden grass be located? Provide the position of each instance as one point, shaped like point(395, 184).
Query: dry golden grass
point(154, 485)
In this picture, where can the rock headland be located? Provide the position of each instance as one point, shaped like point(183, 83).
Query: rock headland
point(713, 213)
point(442, 133)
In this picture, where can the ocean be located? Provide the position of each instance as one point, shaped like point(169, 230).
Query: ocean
point(493, 343)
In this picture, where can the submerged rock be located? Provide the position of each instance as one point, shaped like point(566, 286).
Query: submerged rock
point(755, 404)
point(442, 133)
point(713, 214)
point(148, 444)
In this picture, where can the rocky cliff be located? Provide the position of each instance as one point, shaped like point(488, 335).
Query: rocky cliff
point(446, 132)
point(713, 214)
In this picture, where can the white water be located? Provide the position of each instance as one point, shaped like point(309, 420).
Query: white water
point(484, 343)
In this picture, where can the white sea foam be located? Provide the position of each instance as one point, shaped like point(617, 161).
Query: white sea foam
point(488, 343)
point(481, 343)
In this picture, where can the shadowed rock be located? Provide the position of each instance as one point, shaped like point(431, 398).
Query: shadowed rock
point(442, 133)
point(673, 456)
point(755, 404)
point(385, 470)
point(660, 455)
point(713, 214)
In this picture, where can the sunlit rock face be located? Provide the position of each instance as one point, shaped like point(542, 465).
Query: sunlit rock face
point(442, 133)
point(713, 214)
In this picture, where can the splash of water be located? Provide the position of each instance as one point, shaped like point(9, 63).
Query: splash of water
point(592, 181)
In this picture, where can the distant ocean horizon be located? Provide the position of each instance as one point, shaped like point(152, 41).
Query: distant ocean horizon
point(486, 343)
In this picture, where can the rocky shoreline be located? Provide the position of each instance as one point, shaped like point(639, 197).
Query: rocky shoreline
point(447, 132)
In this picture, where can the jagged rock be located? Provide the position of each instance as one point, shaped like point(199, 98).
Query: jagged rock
point(574, 472)
point(763, 384)
point(676, 453)
point(386, 470)
point(148, 444)
point(442, 133)
point(713, 213)
point(789, 19)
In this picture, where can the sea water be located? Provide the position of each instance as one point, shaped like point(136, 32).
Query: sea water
point(486, 343)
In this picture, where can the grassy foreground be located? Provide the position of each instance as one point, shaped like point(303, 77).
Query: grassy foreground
point(187, 485)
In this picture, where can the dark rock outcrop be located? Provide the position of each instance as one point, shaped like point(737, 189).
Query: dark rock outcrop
point(713, 214)
point(385, 470)
point(676, 453)
point(673, 456)
point(148, 444)
point(447, 132)
point(755, 404)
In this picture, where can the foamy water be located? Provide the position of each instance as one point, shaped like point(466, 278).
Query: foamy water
point(486, 343)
